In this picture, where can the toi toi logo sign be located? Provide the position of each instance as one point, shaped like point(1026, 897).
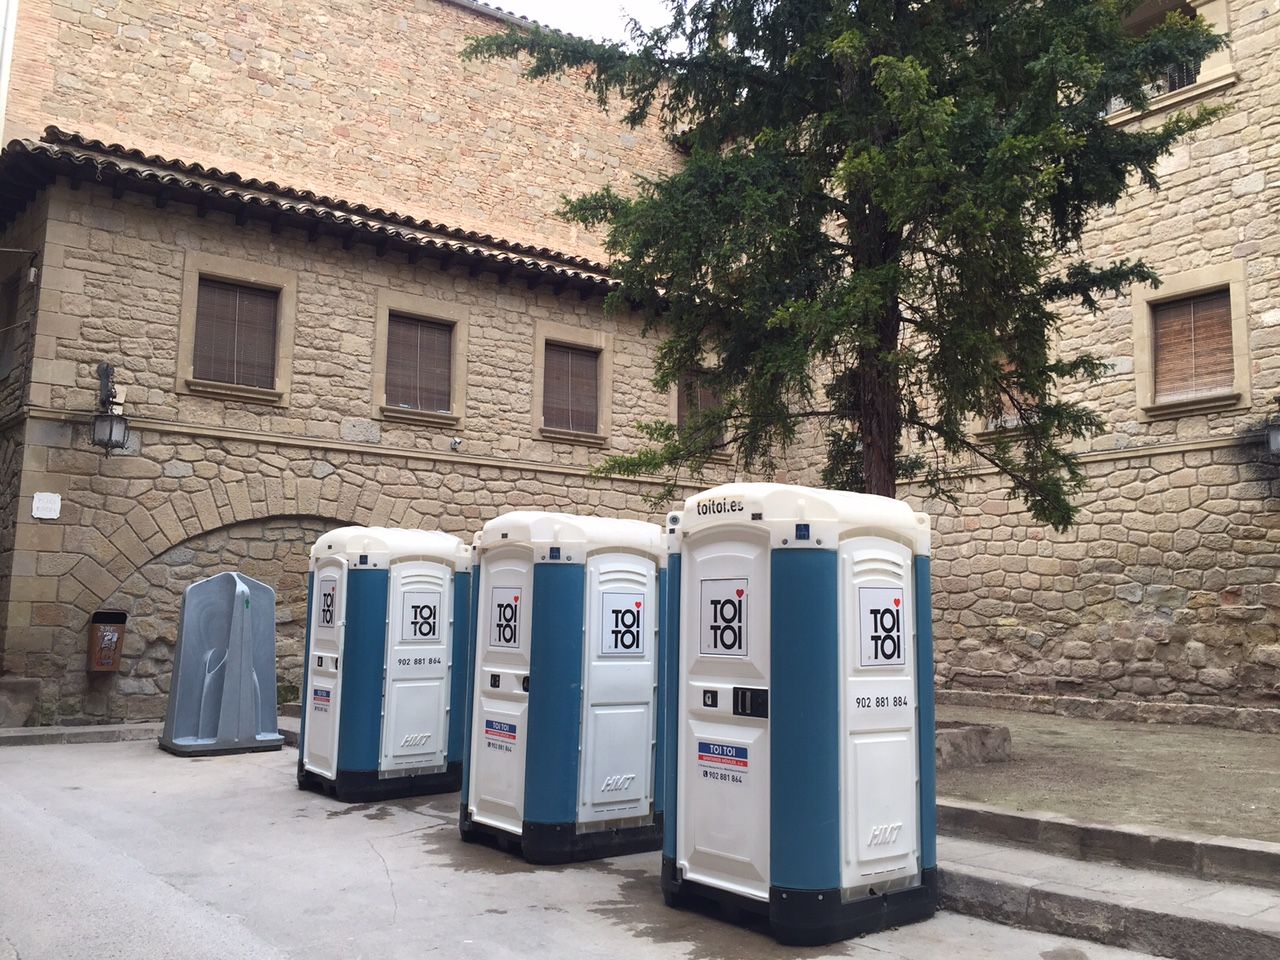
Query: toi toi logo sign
point(420, 615)
point(622, 629)
point(723, 615)
point(328, 603)
point(881, 611)
point(504, 618)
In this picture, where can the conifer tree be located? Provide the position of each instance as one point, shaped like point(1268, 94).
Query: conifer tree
point(877, 224)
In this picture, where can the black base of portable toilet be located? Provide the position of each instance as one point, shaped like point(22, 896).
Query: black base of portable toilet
point(356, 786)
point(811, 918)
point(550, 843)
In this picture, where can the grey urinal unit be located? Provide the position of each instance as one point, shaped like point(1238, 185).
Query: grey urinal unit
point(222, 698)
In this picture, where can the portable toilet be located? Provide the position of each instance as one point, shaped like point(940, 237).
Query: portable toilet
point(799, 700)
point(387, 622)
point(222, 696)
point(563, 715)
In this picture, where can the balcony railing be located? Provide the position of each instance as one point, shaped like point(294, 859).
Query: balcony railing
point(1174, 78)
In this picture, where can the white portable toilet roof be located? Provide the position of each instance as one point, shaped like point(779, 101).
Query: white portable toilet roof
point(781, 506)
point(384, 545)
point(587, 534)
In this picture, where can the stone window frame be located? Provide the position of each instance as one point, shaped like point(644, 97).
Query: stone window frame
point(432, 310)
point(548, 331)
point(198, 265)
point(1217, 72)
point(673, 411)
point(1229, 276)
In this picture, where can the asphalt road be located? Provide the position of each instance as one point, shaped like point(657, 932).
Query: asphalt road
point(122, 851)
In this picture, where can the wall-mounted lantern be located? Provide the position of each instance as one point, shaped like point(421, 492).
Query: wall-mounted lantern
point(110, 425)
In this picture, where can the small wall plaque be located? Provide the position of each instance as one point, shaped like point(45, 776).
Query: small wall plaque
point(46, 506)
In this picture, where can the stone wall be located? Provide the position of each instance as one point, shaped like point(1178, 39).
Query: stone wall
point(207, 483)
point(368, 101)
point(273, 551)
point(1165, 590)
point(10, 480)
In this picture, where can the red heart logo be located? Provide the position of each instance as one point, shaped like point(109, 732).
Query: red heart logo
point(637, 604)
point(897, 602)
point(517, 599)
point(740, 593)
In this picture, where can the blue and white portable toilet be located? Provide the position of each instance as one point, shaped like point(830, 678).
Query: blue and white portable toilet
point(563, 712)
point(799, 702)
point(387, 624)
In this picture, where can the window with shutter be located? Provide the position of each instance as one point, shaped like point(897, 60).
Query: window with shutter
point(9, 323)
point(235, 338)
point(691, 397)
point(419, 364)
point(571, 389)
point(1191, 347)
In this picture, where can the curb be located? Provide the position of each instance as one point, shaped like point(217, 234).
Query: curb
point(1068, 911)
point(89, 733)
point(1249, 719)
point(1232, 859)
point(289, 727)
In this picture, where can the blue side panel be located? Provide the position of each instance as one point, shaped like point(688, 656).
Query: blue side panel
point(804, 718)
point(669, 703)
point(458, 715)
point(304, 695)
point(469, 681)
point(555, 693)
point(364, 655)
point(925, 717)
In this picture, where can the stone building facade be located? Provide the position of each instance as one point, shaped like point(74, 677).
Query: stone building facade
point(225, 477)
point(325, 139)
point(1164, 593)
point(1167, 589)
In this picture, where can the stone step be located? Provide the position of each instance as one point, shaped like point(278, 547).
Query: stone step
point(1233, 859)
point(1185, 918)
point(86, 733)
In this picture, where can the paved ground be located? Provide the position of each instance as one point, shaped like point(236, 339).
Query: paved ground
point(121, 851)
point(1201, 779)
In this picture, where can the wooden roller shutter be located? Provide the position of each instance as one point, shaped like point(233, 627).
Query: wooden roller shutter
point(571, 389)
point(419, 364)
point(1192, 347)
point(236, 334)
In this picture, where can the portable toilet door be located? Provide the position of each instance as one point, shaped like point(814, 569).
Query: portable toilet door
point(500, 698)
point(799, 735)
point(389, 615)
point(564, 714)
point(327, 620)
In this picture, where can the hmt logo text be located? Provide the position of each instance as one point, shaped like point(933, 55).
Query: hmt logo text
point(884, 835)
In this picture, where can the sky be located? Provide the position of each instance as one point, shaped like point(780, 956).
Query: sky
point(597, 19)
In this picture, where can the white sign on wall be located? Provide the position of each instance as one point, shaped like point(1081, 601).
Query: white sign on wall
point(723, 615)
point(622, 626)
point(46, 506)
point(880, 617)
point(420, 616)
point(504, 618)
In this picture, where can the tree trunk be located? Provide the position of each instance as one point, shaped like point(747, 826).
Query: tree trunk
point(879, 402)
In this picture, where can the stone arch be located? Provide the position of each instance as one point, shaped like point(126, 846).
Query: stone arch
point(272, 549)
